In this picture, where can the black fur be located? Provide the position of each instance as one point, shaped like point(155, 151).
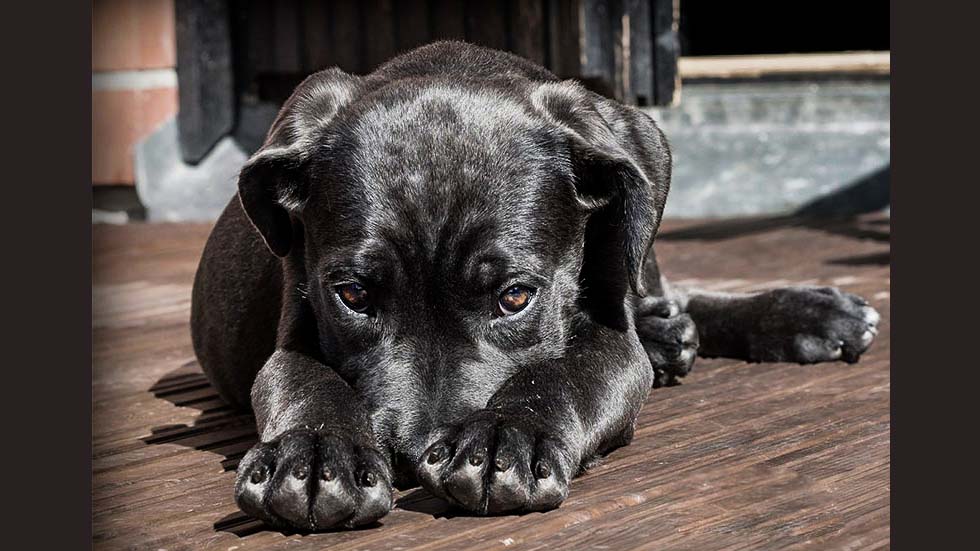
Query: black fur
point(436, 182)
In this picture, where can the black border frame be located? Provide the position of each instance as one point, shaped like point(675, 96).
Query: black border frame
point(48, 266)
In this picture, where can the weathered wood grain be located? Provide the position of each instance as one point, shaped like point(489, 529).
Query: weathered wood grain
point(528, 30)
point(486, 23)
point(378, 16)
point(741, 456)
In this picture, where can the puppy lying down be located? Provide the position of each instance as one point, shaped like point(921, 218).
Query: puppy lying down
point(442, 274)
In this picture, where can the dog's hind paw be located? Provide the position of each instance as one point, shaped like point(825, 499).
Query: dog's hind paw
point(306, 480)
point(497, 463)
point(813, 324)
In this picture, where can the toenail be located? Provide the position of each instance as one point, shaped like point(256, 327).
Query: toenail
point(258, 476)
point(543, 470)
point(478, 457)
point(326, 474)
point(436, 455)
point(503, 463)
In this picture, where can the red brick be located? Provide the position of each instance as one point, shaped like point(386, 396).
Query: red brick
point(132, 34)
point(120, 118)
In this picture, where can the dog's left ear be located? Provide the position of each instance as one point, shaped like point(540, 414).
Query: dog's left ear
point(274, 185)
point(620, 163)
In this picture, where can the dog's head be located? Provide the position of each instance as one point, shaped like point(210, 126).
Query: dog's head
point(449, 235)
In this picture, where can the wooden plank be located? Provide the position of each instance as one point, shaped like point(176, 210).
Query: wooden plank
point(379, 17)
point(620, 35)
point(598, 43)
point(486, 23)
point(565, 55)
point(639, 45)
point(758, 66)
point(242, 63)
point(318, 51)
point(287, 33)
point(261, 35)
point(666, 51)
point(528, 29)
point(412, 24)
point(205, 76)
point(349, 34)
point(448, 19)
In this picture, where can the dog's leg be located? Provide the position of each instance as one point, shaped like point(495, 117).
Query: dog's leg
point(789, 324)
point(317, 465)
point(542, 426)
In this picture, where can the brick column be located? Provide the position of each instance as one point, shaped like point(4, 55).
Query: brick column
point(134, 84)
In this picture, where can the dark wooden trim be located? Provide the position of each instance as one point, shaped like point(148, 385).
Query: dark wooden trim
point(486, 23)
point(639, 76)
point(666, 51)
point(411, 24)
point(314, 25)
point(348, 35)
point(447, 19)
point(528, 29)
point(563, 20)
point(598, 36)
point(378, 23)
point(205, 75)
point(287, 31)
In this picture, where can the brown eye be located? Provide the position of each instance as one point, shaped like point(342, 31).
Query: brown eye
point(354, 296)
point(514, 299)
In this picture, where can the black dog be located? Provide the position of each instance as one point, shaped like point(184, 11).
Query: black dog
point(460, 291)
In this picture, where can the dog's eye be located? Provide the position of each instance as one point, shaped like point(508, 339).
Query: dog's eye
point(354, 296)
point(514, 299)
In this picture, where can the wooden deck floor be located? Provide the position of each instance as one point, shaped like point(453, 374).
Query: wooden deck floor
point(738, 457)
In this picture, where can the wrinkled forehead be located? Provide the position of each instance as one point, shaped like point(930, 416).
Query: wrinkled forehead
point(439, 139)
point(444, 164)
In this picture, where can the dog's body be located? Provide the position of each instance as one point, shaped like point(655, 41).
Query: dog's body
point(459, 291)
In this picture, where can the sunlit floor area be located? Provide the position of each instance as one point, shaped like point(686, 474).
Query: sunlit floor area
point(740, 456)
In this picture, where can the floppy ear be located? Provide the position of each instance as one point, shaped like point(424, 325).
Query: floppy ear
point(273, 185)
point(621, 167)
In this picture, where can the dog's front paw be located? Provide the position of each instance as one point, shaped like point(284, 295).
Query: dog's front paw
point(307, 480)
point(813, 324)
point(669, 338)
point(495, 463)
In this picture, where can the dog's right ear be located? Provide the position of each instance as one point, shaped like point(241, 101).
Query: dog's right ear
point(621, 166)
point(273, 185)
